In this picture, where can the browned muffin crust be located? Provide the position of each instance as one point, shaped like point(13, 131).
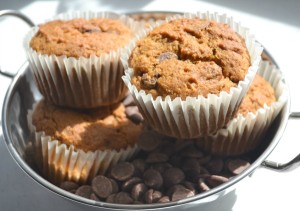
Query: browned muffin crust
point(81, 37)
point(105, 128)
point(260, 92)
point(189, 57)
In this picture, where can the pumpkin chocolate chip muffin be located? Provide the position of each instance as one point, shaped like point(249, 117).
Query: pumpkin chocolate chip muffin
point(188, 74)
point(75, 58)
point(78, 144)
point(106, 128)
point(189, 57)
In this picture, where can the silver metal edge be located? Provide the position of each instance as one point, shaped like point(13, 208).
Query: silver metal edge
point(22, 17)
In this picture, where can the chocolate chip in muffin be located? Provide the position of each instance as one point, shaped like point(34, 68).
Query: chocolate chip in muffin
point(166, 56)
point(148, 81)
point(89, 28)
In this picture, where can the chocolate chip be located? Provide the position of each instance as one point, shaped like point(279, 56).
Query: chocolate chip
point(161, 167)
point(192, 152)
point(166, 56)
point(72, 191)
point(215, 180)
point(156, 157)
point(148, 82)
point(176, 160)
point(137, 202)
point(193, 170)
point(102, 186)
point(132, 113)
point(164, 199)
point(237, 166)
point(179, 192)
point(138, 191)
point(139, 166)
point(94, 197)
point(84, 191)
point(122, 171)
point(173, 176)
point(115, 186)
point(152, 196)
point(111, 198)
point(182, 144)
point(128, 101)
point(148, 141)
point(128, 184)
point(189, 185)
point(123, 198)
point(215, 166)
point(69, 185)
point(191, 164)
point(88, 28)
point(153, 179)
point(204, 160)
point(202, 185)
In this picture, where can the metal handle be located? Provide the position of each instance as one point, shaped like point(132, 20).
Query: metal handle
point(295, 162)
point(22, 17)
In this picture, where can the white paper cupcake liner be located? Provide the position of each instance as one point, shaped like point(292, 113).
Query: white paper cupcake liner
point(244, 133)
point(59, 162)
point(82, 82)
point(195, 116)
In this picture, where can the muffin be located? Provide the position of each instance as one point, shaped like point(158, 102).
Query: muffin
point(76, 145)
point(188, 74)
point(264, 100)
point(75, 58)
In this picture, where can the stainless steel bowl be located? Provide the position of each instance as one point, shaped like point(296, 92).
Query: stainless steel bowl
point(23, 93)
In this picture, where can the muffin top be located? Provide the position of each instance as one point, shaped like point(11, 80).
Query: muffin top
point(97, 129)
point(260, 92)
point(189, 57)
point(81, 37)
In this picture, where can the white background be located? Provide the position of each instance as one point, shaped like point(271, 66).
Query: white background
point(275, 23)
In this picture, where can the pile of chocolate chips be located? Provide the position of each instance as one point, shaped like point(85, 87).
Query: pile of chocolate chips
point(164, 170)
